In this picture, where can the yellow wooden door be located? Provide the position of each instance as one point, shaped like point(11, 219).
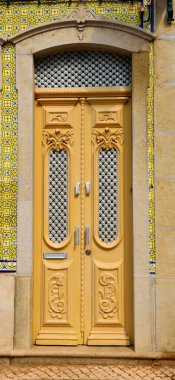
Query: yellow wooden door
point(79, 221)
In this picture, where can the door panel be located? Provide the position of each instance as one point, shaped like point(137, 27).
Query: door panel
point(79, 221)
point(58, 137)
point(106, 131)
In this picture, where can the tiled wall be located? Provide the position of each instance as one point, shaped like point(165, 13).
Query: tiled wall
point(8, 183)
point(18, 17)
point(14, 19)
point(151, 200)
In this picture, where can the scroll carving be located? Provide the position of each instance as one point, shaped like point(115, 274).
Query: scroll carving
point(56, 296)
point(108, 304)
point(57, 117)
point(107, 116)
point(57, 140)
point(107, 138)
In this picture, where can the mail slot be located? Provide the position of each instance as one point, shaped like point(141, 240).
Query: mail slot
point(55, 255)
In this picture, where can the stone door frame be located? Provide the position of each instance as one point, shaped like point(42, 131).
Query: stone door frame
point(107, 36)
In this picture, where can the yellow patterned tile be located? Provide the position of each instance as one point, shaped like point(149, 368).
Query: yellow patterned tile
point(8, 217)
point(23, 15)
point(18, 17)
point(151, 196)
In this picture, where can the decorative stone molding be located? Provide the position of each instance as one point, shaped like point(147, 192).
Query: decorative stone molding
point(81, 14)
point(79, 18)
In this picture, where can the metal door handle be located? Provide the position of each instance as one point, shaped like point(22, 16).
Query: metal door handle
point(77, 188)
point(87, 187)
point(77, 235)
point(87, 235)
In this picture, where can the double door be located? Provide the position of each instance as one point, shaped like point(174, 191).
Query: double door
point(81, 219)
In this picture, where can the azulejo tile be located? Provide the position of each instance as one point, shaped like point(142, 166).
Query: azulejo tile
point(8, 195)
point(21, 16)
point(151, 194)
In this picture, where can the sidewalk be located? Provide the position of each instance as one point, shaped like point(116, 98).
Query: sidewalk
point(155, 370)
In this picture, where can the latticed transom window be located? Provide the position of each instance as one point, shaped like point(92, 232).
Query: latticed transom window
point(83, 69)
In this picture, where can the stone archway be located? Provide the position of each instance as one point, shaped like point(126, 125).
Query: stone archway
point(68, 34)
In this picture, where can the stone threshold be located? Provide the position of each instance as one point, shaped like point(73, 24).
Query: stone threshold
point(85, 352)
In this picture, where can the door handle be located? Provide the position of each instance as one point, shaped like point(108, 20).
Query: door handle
point(77, 188)
point(77, 235)
point(87, 251)
point(87, 235)
point(87, 188)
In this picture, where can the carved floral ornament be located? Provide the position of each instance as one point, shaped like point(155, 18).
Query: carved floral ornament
point(57, 140)
point(108, 292)
point(56, 299)
point(107, 138)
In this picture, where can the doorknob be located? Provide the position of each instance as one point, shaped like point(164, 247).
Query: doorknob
point(88, 252)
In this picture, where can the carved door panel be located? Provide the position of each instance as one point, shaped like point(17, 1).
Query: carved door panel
point(57, 222)
point(80, 215)
point(105, 215)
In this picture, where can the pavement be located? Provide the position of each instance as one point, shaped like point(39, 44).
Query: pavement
point(148, 371)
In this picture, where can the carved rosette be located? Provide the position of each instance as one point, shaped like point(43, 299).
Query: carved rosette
point(108, 303)
point(56, 300)
point(57, 140)
point(107, 138)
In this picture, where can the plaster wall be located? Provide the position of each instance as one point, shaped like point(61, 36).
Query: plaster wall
point(164, 90)
point(7, 290)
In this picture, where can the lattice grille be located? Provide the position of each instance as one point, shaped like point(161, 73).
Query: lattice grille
point(83, 69)
point(108, 195)
point(58, 195)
